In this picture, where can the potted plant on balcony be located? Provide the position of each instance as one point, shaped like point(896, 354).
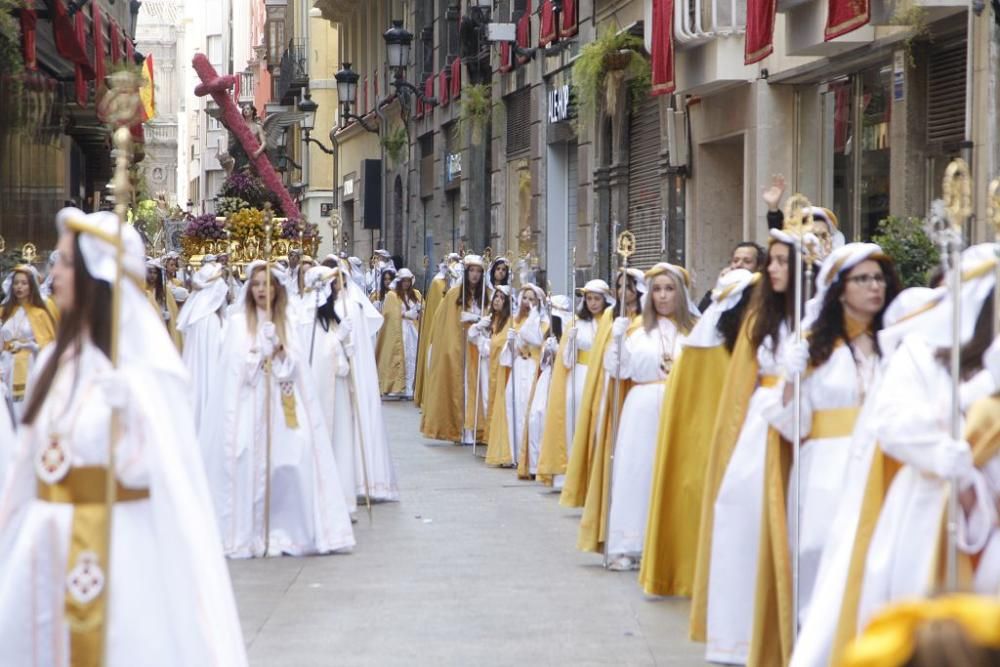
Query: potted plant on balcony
point(395, 143)
point(475, 109)
point(614, 57)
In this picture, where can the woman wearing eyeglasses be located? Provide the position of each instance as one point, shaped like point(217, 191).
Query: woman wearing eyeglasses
point(839, 363)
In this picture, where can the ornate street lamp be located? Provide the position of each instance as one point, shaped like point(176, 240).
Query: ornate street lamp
point(347, 93)
point(397, 56)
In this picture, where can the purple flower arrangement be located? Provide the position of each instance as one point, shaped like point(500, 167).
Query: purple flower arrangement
point(206, 227)
point(290, 230)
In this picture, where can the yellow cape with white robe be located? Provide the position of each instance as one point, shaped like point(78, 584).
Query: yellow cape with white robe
point(435, 295)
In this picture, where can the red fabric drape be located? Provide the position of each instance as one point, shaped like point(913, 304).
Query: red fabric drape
point(569, 18)
point(524, 33)
point(506, 59)
point(841, 115)
point(444, 89)
point(82, 73)
point(760, 30)
point(70, 38)
point(116, 42)
point(129, 50)
point(456, 78)
point(843, 16)
point(95, 15)
point(663, 47)
point(547, 31)
point(29, 37)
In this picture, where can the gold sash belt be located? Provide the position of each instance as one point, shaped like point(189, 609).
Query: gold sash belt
point(583, 357)
point(84, 488)
point(836, 423)
point(769, 381)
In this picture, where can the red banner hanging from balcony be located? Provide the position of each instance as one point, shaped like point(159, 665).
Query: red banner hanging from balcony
point(456, 78)
point(69, 36)
point(444, 89)
point(129, 51)
point(569, 18)
point(524, 31)
point(98, 28)
point(843, 16)
point(663, 47)
point(506, 57)
point(547, 32)
point(29, 38)
point(760, 30)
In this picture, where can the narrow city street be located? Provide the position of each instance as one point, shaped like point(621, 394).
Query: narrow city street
point(473, 567)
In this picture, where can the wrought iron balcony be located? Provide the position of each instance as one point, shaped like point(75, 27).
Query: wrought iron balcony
point(293, 73)
point(698, 21)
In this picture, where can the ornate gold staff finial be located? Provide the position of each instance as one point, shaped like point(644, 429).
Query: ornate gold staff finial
point(29, 253)
point(626, 245)
point(957, 190)
point(3, 244)
point(487, 255)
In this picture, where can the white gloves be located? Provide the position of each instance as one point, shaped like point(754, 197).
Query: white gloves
point(551, 345)
point(794, 358)
point(511, 335)
point(620, 326)
point(484, 323)
point(412, 313)
point(17, 346)
point(469, 317)
point(951, 459)
point(991, 361)
point(571, 334)
point(115, 389)
point(484, 348)
point(344, 330)
point(348, 350)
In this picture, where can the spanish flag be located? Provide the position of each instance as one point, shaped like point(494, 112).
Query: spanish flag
point(146, 93)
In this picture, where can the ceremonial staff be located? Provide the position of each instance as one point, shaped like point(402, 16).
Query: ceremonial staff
point(626, 248)
point(487, 258)
point(957, 191)
point(798, 217)
point(465, 352)
point(268, 221)
point(342, 296)
point(993, 211)
point(572, 370)
point(121, 107)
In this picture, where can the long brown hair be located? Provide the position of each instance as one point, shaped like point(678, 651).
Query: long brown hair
point(499, 322)
point(408, 296)
point(89, 316)
point(771, 308)
point(279, 305)
point(34, 296)
point(475, 295)
point(682, 317)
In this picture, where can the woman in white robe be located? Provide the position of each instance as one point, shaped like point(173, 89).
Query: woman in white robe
point(27, 325)
point(648, 352)
point(854, 286)
point(913, 427)
point(171, 602)
point(202, 322)
point(376, 461)
point(299, 508)
point(522, 355)
point(737, 505)
point(331, 373)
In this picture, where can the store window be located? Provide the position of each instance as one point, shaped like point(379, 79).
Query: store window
point(854, 165)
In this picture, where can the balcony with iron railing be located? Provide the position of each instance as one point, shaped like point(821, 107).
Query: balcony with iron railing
point(709, 42)
point(247, 86)
point(293, 73)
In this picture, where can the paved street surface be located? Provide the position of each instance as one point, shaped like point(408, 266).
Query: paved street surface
point(471, 568)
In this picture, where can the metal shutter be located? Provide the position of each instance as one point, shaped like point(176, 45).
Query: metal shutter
point(946, 94)
point(644, 185)
point(572, 187)
point(518, 121)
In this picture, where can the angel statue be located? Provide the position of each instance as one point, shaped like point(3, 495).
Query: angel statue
point(267, 133)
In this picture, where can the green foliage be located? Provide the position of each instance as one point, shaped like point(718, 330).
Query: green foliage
point(475, 111)
point(906, 242)
point(11, 60)
point(395, 143)
point(226, 206)
point(595, 62)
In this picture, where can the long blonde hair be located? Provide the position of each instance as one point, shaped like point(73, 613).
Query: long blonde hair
point(682, 317)
point(278, 305)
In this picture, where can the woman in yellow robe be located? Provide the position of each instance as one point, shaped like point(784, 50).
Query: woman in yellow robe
point(590, 421)
point(569, 380)
point(688, 414)
point(396, 348)
point(490, 336)
point(27, 324)
point(435, 295)
point(446, 415)
point(161, 297)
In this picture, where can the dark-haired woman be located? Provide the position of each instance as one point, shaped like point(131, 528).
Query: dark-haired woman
point(446, 412)
point(27, 324)
point(687, 415)
point(307, 512)
point(913, 427)
point(489, 336)
point(853, 288)
point(331, 351)
point(161, 297)
point(734, 487)
point(396, 350)
point(164, 558)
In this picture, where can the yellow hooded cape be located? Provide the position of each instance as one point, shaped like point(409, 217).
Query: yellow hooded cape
point(435, 294)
